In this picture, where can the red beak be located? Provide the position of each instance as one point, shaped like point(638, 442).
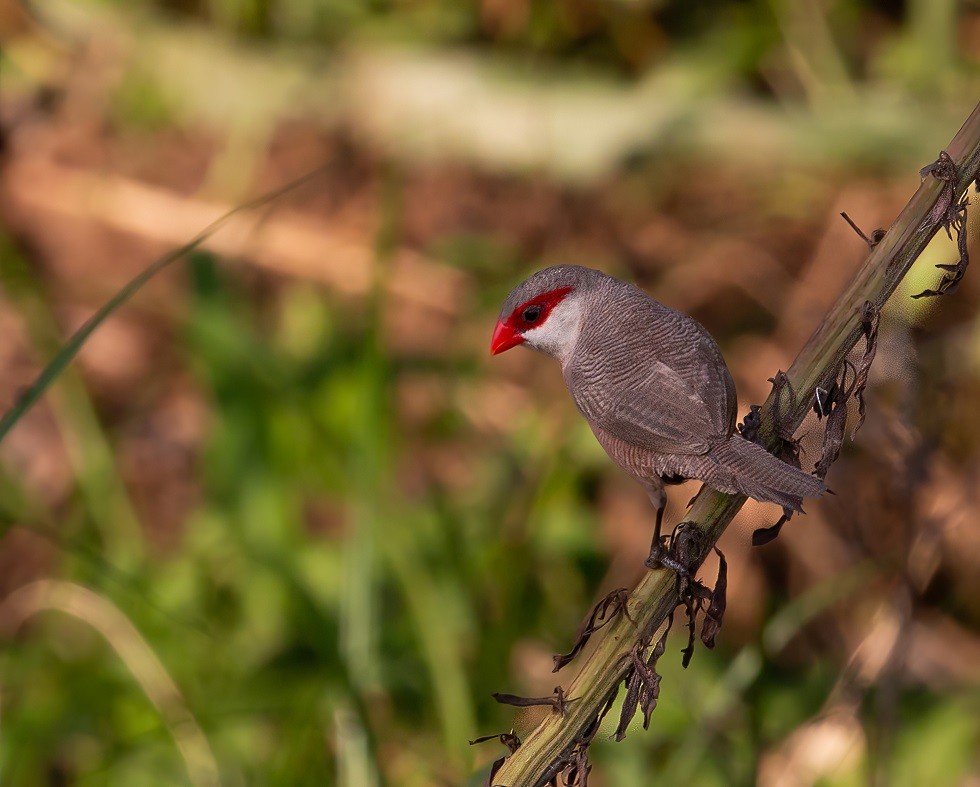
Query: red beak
point(504, 337)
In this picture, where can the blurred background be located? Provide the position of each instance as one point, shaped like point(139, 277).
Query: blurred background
point(285, 522)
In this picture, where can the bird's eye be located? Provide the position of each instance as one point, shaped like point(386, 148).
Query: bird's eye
point(531, 314)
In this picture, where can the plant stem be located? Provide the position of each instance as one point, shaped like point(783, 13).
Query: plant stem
point(653, 600)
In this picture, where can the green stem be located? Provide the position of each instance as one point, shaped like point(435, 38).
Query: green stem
point(655, 597)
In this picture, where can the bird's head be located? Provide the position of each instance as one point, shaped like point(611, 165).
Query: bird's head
point(545, 311)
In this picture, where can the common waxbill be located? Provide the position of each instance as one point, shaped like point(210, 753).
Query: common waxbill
point(651, 383)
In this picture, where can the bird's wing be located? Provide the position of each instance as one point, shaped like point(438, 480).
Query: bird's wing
point(652, 377)
point(659, 411)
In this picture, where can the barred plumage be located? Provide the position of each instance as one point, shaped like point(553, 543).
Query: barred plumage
point(650, 381)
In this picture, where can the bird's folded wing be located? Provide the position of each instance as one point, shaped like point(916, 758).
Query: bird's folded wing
point(660, 412)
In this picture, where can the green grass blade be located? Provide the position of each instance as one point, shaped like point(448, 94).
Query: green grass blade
point(71, 348)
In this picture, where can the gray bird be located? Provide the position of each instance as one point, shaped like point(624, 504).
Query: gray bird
point(650, 381)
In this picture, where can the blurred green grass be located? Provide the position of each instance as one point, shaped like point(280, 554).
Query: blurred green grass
point(269, 625)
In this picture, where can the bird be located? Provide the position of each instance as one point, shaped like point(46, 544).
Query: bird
point(652, 384)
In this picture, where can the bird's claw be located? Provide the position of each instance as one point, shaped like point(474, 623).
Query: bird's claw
point(671, 552)
point(661, 558)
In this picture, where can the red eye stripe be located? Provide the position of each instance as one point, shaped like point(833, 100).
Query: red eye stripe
point(546, 302)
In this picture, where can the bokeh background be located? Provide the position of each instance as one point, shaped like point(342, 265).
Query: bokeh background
point(285, 522)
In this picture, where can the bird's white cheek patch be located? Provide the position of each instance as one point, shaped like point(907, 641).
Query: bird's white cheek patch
point(559, 333)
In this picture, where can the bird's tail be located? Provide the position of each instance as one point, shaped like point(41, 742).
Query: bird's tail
point(739, 466)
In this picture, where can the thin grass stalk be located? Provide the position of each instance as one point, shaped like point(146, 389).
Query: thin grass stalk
point(66, 354)
point(140, 659)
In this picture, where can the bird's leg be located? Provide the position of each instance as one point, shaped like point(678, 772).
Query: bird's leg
point(657, 551)
point(660, 547)
point(660, 551)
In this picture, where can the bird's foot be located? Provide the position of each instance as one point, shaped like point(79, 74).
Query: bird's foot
point(660, 557)
point(671, 552)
